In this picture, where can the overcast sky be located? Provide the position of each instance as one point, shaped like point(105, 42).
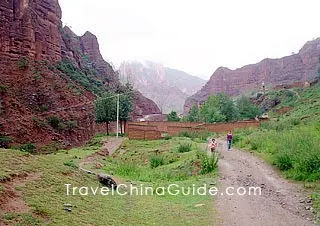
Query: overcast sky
point(196, 36)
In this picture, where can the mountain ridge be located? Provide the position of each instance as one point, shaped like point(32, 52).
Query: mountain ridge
point(154, 80)
point(300, 67)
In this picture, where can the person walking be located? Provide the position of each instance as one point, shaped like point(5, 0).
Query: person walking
point(229, 140)
point(213, 145)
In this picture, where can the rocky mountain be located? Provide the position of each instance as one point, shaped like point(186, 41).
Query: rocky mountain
point(300, 67)
point(169, 88)
point(49, 78)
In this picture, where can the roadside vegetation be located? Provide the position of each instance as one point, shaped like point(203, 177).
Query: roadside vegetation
point(222, 108)
point(153, 163)
point(290, 141)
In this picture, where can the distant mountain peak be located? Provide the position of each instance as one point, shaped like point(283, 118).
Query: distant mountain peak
point(168, 87)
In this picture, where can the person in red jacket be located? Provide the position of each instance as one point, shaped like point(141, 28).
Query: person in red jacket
point(229, 140)
point(213, 145)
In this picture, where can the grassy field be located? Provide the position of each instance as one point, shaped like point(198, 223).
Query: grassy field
point(47, 195)
point(291, 141)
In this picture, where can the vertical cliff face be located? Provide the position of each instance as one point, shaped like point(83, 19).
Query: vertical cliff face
point(300, 67)
point(31, 28)
point(45, 71)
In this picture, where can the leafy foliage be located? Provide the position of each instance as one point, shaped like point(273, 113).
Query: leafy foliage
point(23, 63)
point(211, 112)
point(173, 117)
point(292, 141)
point(194, 114)
point(28, 148)
point(185, 147)
point(84, 78)
point(208, 162)
point(156, 160)
point(246, 109)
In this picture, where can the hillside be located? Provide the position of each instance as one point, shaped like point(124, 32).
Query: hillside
point(153, 80)
point(290, 139)
point(300, 67)
point(50, 78)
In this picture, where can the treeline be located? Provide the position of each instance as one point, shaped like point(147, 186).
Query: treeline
point(220, 108)
point(106, 106)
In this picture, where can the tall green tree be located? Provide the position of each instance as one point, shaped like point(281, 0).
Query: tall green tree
point(173, 117)
point(193, 114)
point(228, 107)
point(106, 109)
point(125, 107)
point(210, 112)
point(247, 110)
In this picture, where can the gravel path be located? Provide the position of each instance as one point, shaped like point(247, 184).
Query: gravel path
point(280, 203)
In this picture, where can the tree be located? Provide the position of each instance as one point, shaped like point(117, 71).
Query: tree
point(210, 112)
point(228, 108)
point(106, 109)
point(247, 110)
point(173, 117)
point(125, 107)
point(193, 114)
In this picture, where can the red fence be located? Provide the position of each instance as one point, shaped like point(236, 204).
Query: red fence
point(154, 130)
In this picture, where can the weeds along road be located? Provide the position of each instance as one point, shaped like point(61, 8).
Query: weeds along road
point(280, 203)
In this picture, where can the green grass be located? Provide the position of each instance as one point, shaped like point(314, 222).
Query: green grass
point(185, 147)
point(290, 141)
point(47, 195)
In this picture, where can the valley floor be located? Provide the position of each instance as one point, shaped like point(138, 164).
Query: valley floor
point(33, 191)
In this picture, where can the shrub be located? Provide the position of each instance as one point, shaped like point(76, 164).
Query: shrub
point(28, 148)
point(208, 162)
point(203, 135)
point(5, 141)
point(61, 125)
point(283, 161)
point(3, 88)
point(186, 147)
point(70, 163)
point(23, 63)
point(156, 160)
point(53, 121)
point(39, 123)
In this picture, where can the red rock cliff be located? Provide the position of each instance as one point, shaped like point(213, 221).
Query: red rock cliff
point(299, 67)
point(38, 103)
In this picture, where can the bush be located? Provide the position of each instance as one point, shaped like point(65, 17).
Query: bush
point(5, 141)
point(61, 125)
point(283, 161)
point(156, 160)
point(70, 163)
point(208, 162)
point(23, 63)
point(28, 148)
point(53, 121)
point(3, 88)
point(203, 135)
point(186, 147)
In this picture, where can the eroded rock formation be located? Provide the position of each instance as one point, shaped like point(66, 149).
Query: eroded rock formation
point(300, 67)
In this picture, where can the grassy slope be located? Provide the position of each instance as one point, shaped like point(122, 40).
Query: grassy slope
point(47, 195)
point(291, 141)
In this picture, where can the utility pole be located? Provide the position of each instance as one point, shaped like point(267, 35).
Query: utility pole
point(118, 101)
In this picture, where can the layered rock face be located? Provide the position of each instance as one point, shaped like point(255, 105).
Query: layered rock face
point(169, 88)
point(300, 67)
point(39, 103)
point(31, 28)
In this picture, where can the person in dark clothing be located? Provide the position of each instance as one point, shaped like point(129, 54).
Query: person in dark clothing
point(229, 140)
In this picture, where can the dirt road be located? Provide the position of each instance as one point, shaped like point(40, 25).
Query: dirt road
point(280, 203)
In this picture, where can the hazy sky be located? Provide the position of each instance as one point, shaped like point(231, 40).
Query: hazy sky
point(195, 36)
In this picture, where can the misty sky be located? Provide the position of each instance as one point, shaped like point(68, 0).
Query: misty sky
point(195, 36)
